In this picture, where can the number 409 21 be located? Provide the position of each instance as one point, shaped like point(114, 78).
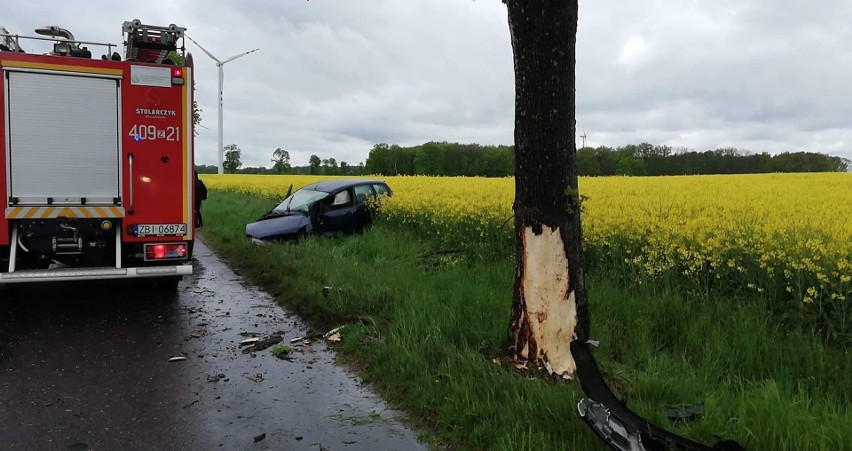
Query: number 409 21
point(151, 132)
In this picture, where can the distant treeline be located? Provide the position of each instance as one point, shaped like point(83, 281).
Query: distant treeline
point(342, 169)
point(454, 159)
point(442, 158)
point(647, 159)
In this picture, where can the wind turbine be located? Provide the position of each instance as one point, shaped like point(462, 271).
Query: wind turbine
point(220, 65)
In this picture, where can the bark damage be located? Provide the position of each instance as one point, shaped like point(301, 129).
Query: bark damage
point(549, 306)
point(549, 326)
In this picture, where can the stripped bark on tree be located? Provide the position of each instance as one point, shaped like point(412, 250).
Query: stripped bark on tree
point(549, 305)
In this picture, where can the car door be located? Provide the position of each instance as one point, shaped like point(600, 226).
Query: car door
point(363, 215)
point(337, 213)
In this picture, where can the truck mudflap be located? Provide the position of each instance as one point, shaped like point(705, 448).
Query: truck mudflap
point(67, 274)
point(618, 426)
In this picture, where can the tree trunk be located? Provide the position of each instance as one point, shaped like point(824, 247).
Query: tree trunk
point(549, 307)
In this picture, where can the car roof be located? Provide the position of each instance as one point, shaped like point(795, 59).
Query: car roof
point(328, 186)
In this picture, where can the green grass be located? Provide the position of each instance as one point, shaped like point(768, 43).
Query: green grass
point(281, 351)
point(425, 329)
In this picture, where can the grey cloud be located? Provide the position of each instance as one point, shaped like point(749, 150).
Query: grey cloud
point(335, 77)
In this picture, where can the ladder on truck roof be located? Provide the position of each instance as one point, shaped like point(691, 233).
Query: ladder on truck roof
point(8, 42)
point(152, 43)
point(64, 43)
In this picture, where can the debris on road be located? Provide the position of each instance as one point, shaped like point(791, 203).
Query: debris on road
point(249, 341)
point(257, 377)
point(260, 345)
point(202, 405)
point(306, 339)
point(215, 378)
point(333, 335)
point(332, 332)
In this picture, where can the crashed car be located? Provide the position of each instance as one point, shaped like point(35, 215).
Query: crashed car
point(330, 208)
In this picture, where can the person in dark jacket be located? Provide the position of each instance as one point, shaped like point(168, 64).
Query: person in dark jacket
point(200, 196)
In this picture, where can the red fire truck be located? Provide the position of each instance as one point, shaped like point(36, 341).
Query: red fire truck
point(96, 157)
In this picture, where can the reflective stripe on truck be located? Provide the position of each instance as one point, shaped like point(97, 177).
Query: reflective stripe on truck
point(63, 212)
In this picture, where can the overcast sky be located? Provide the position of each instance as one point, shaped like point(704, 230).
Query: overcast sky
point(334, 77)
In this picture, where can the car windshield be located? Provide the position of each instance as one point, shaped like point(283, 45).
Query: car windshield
point(300, 201)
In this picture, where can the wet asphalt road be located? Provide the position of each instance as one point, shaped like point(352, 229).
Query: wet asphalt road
point(86, 367)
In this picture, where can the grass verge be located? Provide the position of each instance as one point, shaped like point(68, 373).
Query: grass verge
point(424, 330)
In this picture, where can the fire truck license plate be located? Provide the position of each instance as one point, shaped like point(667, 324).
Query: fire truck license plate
point(159, 229)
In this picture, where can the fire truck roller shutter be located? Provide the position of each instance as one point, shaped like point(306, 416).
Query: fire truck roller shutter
point(63, 140)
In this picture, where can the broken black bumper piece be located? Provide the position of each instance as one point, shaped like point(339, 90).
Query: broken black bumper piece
point(617, 425)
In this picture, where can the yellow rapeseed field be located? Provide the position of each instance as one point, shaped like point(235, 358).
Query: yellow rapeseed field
point(785, 235)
